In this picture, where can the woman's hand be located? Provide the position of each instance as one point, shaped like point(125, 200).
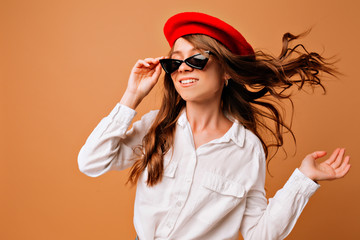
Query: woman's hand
point(143, 77)
point(337, 166)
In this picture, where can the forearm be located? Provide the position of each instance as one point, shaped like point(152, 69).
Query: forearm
point(131, 100)
point(101, 151)
point(276, 219)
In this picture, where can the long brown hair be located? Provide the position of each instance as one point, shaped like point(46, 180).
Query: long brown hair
point(256, 86)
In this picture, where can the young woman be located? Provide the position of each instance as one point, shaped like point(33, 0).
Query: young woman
point(200, 161)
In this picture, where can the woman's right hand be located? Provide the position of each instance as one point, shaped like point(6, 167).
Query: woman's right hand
point(143, 77)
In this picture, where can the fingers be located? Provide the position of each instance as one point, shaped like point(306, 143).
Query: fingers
point(340, 164)
point(158, 69)
point(148, 62)
point(318, 154)
point(337, 166)
point(338, 159)
point(153, 61)
point(344, 168)
point(333, 156)
point(142, 63)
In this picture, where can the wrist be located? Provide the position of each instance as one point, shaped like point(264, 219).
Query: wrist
point(307, 173)
point(130, 100)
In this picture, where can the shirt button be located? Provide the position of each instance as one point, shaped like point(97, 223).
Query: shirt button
point(168, 225)
point(188, 180)
point(178, 204)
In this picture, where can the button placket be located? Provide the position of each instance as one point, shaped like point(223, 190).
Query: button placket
point(183, 191)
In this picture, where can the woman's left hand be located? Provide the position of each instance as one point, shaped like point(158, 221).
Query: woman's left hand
point(337, 166)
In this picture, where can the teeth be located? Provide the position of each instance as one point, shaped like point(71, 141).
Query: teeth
point(188, 81)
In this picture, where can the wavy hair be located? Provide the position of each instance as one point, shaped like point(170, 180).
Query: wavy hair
point(253, 96)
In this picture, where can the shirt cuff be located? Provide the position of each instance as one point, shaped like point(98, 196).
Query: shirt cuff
point(122, 114)
point(301, 184)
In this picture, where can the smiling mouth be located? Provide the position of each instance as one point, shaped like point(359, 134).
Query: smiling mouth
point(188, 81)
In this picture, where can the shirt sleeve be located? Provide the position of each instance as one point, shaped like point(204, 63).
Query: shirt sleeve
point(111, 146)
point(276, 219)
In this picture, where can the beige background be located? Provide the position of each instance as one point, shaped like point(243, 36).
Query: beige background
point(65, 64)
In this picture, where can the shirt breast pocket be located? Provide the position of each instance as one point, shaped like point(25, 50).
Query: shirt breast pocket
point(218, 196)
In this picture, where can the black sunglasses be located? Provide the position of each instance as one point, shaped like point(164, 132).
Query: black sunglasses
point(197, 61)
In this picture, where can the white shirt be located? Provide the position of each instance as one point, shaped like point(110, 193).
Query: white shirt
point(211, 192)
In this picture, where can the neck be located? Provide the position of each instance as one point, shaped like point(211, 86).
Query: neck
point(206, 115)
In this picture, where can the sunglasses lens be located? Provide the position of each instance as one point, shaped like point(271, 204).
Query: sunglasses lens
point(170, 65)
point(197, 61)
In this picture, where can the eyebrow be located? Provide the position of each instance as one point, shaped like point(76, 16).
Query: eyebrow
point(179, 52)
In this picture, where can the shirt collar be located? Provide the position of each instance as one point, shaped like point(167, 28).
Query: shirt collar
point(182, 119)
point(236, 133)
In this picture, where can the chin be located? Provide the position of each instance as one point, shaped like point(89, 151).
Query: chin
point(194, 98)
point(187, 98)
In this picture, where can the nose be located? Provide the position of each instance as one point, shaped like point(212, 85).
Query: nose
point(184, 67)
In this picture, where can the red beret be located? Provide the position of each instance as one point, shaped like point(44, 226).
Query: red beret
point(187, 23)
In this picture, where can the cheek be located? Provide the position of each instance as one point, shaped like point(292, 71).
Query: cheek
point(215, 78)
point(173, 77)
point(216, 74)
point(176, 86)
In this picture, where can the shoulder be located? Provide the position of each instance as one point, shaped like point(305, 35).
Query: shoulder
point(251, 140)
point(253, 144)
point(245, 138)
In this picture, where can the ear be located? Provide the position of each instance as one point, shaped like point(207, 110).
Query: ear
point(226, 76)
